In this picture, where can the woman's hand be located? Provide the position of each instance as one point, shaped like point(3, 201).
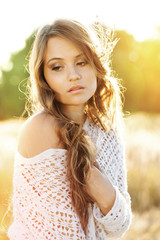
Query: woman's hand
point(100, 189)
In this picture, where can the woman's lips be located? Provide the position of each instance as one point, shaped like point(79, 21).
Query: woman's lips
point(76, 88)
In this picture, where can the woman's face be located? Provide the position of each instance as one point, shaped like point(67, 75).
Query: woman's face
point(68, 72)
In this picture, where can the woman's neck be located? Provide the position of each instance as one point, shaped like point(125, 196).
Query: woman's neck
point(75, 113)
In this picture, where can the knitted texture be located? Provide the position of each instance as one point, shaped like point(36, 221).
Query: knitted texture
point(42, 207)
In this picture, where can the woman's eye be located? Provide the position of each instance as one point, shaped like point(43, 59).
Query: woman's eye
point(56, 68)
point(82, 63)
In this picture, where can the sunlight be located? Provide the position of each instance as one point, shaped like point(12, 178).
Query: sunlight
point(138, 18)
point(142, 33)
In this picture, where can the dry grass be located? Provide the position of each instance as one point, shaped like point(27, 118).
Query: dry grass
point(145, 226)
point(8, 142)
point(143, 161)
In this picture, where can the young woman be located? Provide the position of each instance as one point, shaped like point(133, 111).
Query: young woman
point(70, 175)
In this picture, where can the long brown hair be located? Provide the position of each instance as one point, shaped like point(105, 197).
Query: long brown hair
point(102, 108)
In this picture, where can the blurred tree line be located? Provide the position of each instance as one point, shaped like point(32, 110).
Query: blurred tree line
point(136, 63)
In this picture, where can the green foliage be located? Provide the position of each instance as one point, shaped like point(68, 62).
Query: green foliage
point(13, 82)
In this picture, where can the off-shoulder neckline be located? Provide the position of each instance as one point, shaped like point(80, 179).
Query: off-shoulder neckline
point(44, 154)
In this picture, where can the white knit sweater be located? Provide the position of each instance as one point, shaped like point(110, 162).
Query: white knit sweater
point(42, 206)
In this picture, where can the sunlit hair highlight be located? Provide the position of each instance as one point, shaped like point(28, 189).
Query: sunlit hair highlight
point(103, 109)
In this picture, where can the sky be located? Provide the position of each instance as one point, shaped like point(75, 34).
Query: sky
point(19, 18)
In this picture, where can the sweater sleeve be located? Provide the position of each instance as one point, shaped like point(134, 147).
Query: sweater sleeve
point(42, 206)
point(117, 221)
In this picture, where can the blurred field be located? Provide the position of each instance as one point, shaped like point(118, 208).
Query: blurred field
point(143, 160)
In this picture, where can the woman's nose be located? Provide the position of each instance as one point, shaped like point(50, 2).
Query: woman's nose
point(74, 74)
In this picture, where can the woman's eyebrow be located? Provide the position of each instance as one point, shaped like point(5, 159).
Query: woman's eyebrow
point(55, 58)
point(58, 58)
point(79, 55)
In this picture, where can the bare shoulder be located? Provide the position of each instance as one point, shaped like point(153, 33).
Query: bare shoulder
point(38, 134)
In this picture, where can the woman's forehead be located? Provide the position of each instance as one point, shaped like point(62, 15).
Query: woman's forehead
point(58, 47)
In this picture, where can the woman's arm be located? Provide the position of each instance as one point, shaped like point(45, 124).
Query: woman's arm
point(101, 190)
point(112, 207)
